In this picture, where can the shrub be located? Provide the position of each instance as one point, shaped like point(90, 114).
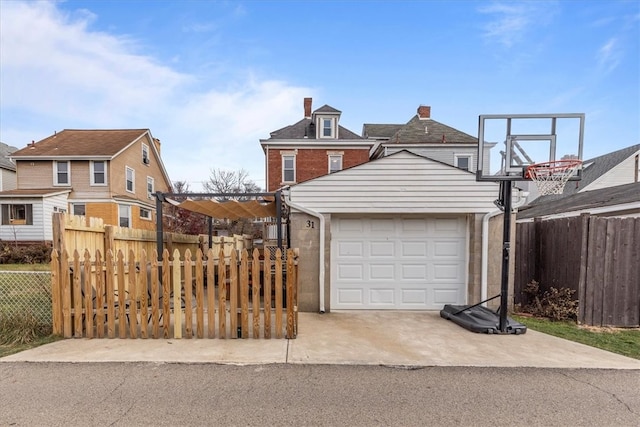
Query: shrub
point(555, 304)
point(32, 254)
point(21, 328)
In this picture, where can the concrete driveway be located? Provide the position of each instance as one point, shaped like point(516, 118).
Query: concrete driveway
point(348, 337)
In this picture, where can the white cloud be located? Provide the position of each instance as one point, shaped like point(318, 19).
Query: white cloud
point(609, 55)
point(60, 74)
point(513, 20)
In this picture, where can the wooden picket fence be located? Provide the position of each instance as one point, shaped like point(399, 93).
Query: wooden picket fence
point(227, 297)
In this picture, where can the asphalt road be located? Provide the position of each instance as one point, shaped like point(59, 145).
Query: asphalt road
point(129, 394)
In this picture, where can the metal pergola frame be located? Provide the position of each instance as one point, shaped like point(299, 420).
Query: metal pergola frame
point(162, 197)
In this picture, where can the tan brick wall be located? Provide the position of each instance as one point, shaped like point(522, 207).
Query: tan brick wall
point(311, 163)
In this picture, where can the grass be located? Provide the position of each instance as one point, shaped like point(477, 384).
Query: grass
point(622, 341)
point(25, 267)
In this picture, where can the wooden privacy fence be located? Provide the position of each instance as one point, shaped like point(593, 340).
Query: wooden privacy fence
point(224, 297)
point(78, 232)
point(598, 257)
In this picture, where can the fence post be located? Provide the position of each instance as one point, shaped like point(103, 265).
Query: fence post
point(58, 232)
point(108, 238)
point(56, 300)
point(584, 259)
point(290, 281)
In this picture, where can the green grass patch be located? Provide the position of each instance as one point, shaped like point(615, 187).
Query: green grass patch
point(622, 341)
point(25, 267)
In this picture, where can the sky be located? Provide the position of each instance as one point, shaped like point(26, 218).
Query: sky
point(212, 78)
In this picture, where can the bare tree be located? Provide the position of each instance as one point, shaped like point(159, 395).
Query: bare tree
point(224, 181)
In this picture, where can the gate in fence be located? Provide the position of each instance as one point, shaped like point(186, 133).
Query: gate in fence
point(207, 297)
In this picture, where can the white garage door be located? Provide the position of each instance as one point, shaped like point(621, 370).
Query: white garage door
point(404, 263)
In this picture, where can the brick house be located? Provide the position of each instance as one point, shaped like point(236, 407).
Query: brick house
point(314, 146)
point(108, 174)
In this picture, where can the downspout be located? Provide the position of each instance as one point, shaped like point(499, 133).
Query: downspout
point(485, 244)
point(321, 267)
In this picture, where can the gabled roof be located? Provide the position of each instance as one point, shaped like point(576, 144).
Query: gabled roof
point(5, 151)
point(429, 131)
point(327, 109)
point(304, 129)
point(592, 170)
point(75, 142)
point(588, 200)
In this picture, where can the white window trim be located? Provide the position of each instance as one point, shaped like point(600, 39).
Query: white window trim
point(93, 176)
point(459, 156)
point(129, 219)
point(294, 167)
point(133, 179)
point(329, 156)
point(55, 173)
point(73, 208)
point(321, 134)
point(145, 154)
point(149, 217)
point(151, 181)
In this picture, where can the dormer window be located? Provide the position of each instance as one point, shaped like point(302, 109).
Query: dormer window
point(145, 154)
point(327, 128)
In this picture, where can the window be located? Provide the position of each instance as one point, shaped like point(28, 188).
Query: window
point(150, 187)
point(99, 173)
point(17, 214)
point(463, 162)
point(124, 214)
point(288, 168)
point(145, 213)
point(335, 163)
point(327, 128)
point(79, 209)
point(61, 173)
point(145, 154)
point(130, 174)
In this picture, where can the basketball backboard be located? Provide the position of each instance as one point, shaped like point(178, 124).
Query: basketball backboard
point(509, 143)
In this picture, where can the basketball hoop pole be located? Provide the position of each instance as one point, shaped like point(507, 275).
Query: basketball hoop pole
point(505, 187)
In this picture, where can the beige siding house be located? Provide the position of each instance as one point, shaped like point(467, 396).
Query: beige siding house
point(109, 174)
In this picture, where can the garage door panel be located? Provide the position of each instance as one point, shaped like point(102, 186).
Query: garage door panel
point(382, 249)
point(414, 272)
point(413, 249)
point(382, 271)
point(383, 296)
point(350, 249)
point(398, 263)
point(446, 248)
point(353, 297)
point(350, 272)
point(446, 272)
point(414, 297)
point(446, 296)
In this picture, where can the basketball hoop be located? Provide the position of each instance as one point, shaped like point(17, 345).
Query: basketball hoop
point(551, 177)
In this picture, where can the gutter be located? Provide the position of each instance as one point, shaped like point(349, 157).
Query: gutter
point(485, 244)
point(321, 267)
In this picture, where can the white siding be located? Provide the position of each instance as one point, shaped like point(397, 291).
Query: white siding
point(623, 173)
point(8, 180)
point(402, 182)
point(42, 228)
point(447, 154)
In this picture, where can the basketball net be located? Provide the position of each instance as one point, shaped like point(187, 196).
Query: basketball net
point(551, 177)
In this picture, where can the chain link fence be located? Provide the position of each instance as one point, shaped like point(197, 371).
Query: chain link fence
point(26, 292)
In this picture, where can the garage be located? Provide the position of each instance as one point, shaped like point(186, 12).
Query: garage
point(398, 262)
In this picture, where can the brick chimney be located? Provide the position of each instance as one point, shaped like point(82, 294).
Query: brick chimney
point(424, 112)
point(307, 108)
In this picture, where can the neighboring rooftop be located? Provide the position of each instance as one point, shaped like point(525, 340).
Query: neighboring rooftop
point(585, 201)
point(5, 151)
point(76, 142)
point(592, 170)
